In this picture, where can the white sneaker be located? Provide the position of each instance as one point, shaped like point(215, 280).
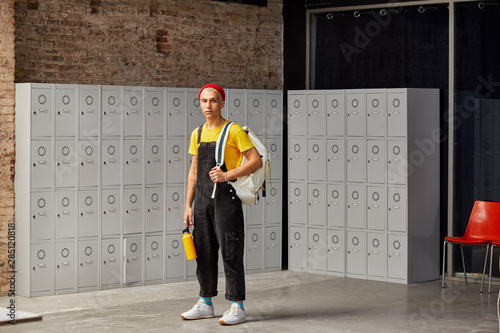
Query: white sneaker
point(199, 311)
point(235, 315)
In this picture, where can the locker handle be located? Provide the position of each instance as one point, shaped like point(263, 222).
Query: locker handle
point(396, 254)
point(42, 213)
point(355, 204)
point(296, 201)
point(44, 162)
point(335, 203)
point(375, 206)
point(335, 112)
point(296, 112)
point(334, 158)
point(376, 252)
point(156, 208)
point(134, 258)
point(355, 250)
point(90, 111)
point(296, 245)
point(396, 112)
point(355, 112)
point(355, 158)
point(396, 207)
point(335, 248)
point(156, 111)
point(375, 159)
point(176, 254)
point(89, 261)
point(112, 111)
point(112, 259)
point(135, 111)
point(156, 256)
point(396, 160)
point(375, 112)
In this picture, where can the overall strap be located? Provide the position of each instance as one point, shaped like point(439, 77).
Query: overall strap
point(221, 148)
point(199, 134)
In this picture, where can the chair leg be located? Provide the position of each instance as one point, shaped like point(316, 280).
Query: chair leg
point(491, 264)
point(444, 260)
point(463, 263)
point(484, 266)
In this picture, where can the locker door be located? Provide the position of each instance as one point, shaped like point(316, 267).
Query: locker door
point(155, 162)
point(176, 112)
point(41, 164)
point(396, 113)
point(175, 208)
point(154, 209)
point(375, 151)
point(66, 214)
point(377, 259)
point(275, 147)
point(397, 262)
point(41, 112)
point(316, 111)
point(274, 114)
point(65, 164)
point(273, 247)
point(297, 256)
point(111, 110)
point(356, 253)
point(396, 213)
point(316, 255)
point(356, 206)
point(376, 113)
point(336, 251)
point(397, 164)
point(134, 111)
point(298, 203)
point(42, 217)
point(195, 114)
point(88, 172)
point(236, 106)
point(42, 267)
point(175, 157)
point(254, 214)
point(65, 102)
point(154, 101)
point(297, 114)
point(273, 203)
point(154, 258)
point(316, 157)
point(89, 111)
point(111, 162)
point(335, 111)
point(175, 257)
point(132, 169)
point(356, 113)
point(110, 267)
point(356, 160)
point(298, 159)
point(88, 219)
point(335, 160)
point(65, 261)
point(336, 205)
point(88, 270)
point(377, 207)
point(133, 259)
point(316, 212)
point(132, 200)
point(110, 206)
point(255, 250)
point(255, 111)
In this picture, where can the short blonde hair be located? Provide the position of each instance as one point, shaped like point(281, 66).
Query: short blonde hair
point(212, 89)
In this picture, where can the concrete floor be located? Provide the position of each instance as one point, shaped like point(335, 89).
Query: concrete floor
point(276, 302)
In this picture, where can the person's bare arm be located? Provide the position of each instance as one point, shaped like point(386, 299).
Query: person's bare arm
point(191, 184)
point(252, 164)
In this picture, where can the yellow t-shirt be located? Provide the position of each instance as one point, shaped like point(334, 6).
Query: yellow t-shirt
point(237, 143)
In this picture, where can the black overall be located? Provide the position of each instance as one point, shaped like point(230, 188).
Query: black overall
point(218, 222)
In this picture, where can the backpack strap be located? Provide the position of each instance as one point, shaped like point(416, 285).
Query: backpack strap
point(220, 149)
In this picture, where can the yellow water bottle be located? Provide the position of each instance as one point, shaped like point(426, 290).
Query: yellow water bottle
point(187, 239)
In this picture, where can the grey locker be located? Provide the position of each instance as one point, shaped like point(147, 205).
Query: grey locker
point(42, 216)
point(376, 266)
point(255, 112)
point(275, 148)
point(316, 159)
point(111, 111)
point(297, 114)
point(316, 254)
point(154, 258)
point(335, 160)
point(376, 197)
point(133, 166)
point(133, 259)
point(297, 245)
point(297, 212)
point(335, 113)
point(273, 202)
point(316, 112)
point(88, 168)
point(88, 217)
point(274, 114)
point(132, 201)
point(397, 164)
point(396, 113)
point(356, 253)
point(356, 113)
point(175, 208)
point(254, 214)
point(65, 110)
point(298, 158)
point(376, 159)
point(88, 258)
point(89, 111)
point(176, 111)
point(154, 101)
point(65, 164)
point(65, 262)
point(41, 111)
point(154, 209)
point(110, 207)
point(254, 249)
point(273, 247)
point(376, 113)
point(397, 258)
point(133, 111)
point(155, 162)
point(175, 257)
point(41, 164)
point(356, 203)
point(176, 154)
point(195, 114)
point(110, 262)
point(335, 207)
point(335, 251)
point(356, 160)
point(396, 208)
point(66, 214)
point(236, 106)
point(42, 267)
point(316, 198)
point(111, 162)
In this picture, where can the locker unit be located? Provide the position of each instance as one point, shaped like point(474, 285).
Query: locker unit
point(111, 274)
point(335, 113)
point(254, 253)
point(273, 248)
point(176, 111)
point(88, 213)
point(316, 159)
point(88, 268)
point(133, 111)
point(175, 209)
point(155, 212)
point(111, 111)
point(89, 117)
point(66, 214)
point(65, 110)
point(376, 260)
point(65, 263)
point(176, 152)
point(297, 209)
point(336, 253)
point(194, 113)
point(274, 116)
point(297, 243)
point(41, 269)
point(132, 210)
point(175, 258)
point(316, 112)
point(155, 262)
point(133, 162)
point(154, 101)
point(316, 204)
point(88, 167)
point(111, 167)
point(65, 168)
point(132, 249)
point(335, 210)
point(111, 211)
point(316, 250)
point(42, 165)
point(255, 112)
point(236, 106)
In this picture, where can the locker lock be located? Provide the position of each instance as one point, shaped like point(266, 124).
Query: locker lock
point(104, 262)
point(58, 215)
point(81, 264)
point(81, 163)
point(33, 267)
point(57, 266)
point(34, 164)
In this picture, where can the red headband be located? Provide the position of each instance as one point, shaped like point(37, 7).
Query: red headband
point(216, 87)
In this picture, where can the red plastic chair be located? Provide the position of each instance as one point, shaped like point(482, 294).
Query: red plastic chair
point(483, 228)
